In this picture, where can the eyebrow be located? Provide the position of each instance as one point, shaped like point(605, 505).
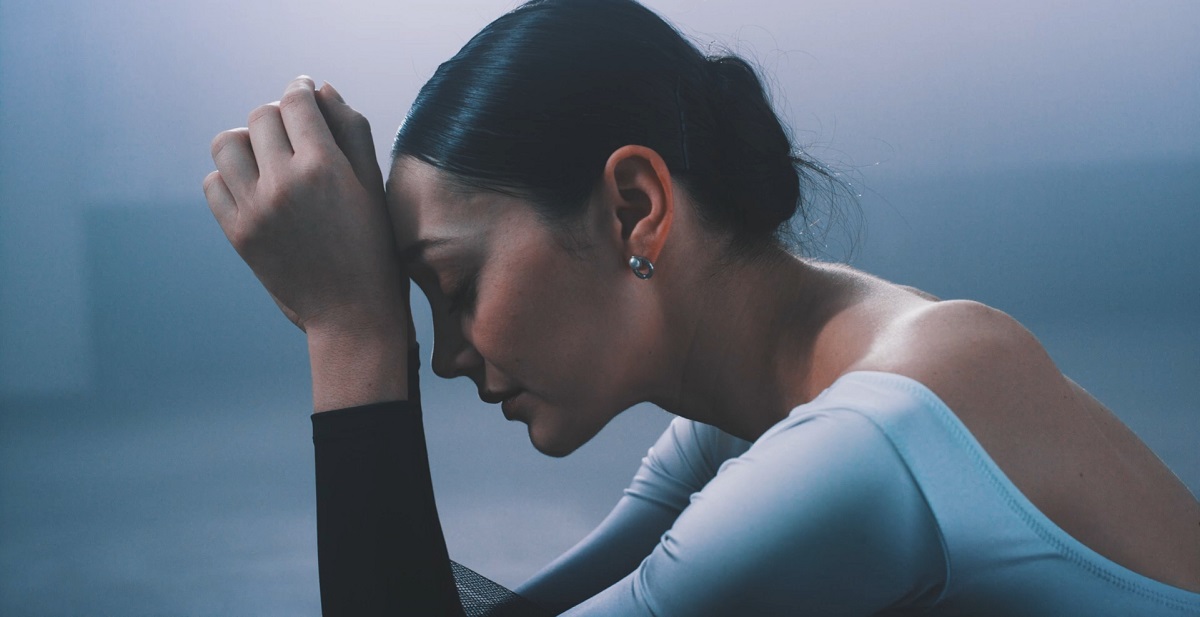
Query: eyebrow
point(416, 250)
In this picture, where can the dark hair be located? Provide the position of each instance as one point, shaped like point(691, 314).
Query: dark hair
point(534, 104)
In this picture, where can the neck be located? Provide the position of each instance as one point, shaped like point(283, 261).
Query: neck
point(745, 343)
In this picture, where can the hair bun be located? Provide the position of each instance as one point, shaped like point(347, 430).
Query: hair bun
point(757, 161)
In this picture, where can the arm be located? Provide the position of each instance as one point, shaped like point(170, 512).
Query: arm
point(819, 519)
point(379, 541)
point(603, 557)
point(300, 196)
point(680, 463)
point(380, 544)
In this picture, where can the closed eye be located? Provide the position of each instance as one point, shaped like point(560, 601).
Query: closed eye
point(462, 298)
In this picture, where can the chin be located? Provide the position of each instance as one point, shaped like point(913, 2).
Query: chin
point(556, 441)
point(557, 434)
point(552, 444)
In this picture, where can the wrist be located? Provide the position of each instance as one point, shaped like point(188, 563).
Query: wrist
point(358, 362)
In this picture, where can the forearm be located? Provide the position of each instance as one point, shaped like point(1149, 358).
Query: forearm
point(614, 549)
point(380, 544)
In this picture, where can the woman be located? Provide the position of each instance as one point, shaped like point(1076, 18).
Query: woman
point(596, 213)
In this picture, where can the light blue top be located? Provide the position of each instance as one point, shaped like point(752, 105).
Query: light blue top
point(871, 499)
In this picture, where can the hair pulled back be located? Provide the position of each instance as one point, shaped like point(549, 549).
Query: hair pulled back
point(535, 103)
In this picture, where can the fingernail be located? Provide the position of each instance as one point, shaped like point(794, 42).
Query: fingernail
point(304, 81)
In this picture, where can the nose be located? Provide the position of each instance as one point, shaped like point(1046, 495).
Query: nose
point(453, 354)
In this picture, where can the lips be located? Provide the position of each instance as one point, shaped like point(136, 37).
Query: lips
point(492, 398)
point(507, 399)
point(508, 405)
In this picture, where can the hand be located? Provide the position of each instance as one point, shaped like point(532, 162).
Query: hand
point(300, 196)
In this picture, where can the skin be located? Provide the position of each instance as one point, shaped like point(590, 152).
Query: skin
point(733, 343)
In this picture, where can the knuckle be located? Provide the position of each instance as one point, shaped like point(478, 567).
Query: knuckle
point(294, 96)
point(210, 181)
point(312, 166)
point(253, 222)
point(263, 111)
point(225, 139)
point(218, 143)
point(272, 196)
point(308, 174)
point(241, 237)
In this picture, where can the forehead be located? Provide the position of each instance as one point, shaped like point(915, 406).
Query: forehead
point(424, 203)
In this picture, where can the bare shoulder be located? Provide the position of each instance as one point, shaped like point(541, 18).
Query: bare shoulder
point(1071, 456)
point(972, 355)
point(961, 325)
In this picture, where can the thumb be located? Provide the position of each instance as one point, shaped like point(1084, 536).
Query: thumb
point(352, 132)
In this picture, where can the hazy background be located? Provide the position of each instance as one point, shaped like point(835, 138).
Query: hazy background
point(155, 453)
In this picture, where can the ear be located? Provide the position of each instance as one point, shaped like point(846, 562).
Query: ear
point(637, 189)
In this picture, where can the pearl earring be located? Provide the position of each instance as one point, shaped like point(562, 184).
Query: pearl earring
point(641, 267)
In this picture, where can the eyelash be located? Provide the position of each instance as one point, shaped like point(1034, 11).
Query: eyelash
point(463, 296)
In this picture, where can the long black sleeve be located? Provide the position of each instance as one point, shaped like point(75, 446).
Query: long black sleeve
point(380, 546)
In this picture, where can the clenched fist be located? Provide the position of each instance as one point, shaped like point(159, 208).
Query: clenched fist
point(300, 196)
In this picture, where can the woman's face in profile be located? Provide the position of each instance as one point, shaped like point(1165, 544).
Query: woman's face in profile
point(532, 324)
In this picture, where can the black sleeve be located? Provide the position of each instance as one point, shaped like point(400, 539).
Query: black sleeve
point(380, 547)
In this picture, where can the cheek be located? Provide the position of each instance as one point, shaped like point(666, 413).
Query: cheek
point(547, 319)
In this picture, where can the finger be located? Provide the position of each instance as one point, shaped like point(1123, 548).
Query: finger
point(352, 133)
point(220, 201)
point(234, 156)
point(269, 138)
point(305, 125)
